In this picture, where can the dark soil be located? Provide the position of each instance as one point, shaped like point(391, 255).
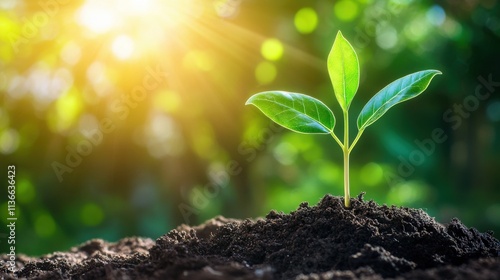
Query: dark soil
point(326, 241)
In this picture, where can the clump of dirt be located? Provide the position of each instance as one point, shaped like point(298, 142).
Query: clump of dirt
point(326, 241)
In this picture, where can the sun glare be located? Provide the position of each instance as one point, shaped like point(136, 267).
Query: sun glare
point(123, 47)
point(97, 16)
point(142, 7)
point(102, 16)
point(134, 26)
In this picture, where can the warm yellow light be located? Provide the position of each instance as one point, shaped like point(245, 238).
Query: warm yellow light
point(272, 49)
point(167, 101)
point(102, 16)
point(198, 60)
point(148, 24)
point(123, 47)
point(97, 16)
point(142, 7)
point(66, 111)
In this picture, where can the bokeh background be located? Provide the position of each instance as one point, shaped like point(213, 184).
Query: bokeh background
point(127, 117)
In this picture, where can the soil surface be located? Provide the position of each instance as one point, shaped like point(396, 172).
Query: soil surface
point(326, 241)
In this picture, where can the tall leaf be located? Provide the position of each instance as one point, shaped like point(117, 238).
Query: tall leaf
point(396, 92)
point(295, 111)
point(343, 67)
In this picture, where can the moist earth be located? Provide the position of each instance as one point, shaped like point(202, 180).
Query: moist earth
point(326, 241)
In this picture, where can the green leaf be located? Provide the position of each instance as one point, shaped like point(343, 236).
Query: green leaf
point(396, 92)
point(295, 111)
point(343, 67)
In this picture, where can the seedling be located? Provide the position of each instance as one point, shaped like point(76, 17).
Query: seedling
point(304, 114)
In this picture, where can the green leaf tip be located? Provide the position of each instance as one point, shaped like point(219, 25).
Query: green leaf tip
point(295, 111)
point(400, 90)
point(343, 68)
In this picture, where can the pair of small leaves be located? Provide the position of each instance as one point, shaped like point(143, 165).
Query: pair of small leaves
point(305, 114)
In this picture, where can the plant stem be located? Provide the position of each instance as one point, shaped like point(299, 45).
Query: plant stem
point(337, 139)
point(347, 196)
point(355, 140)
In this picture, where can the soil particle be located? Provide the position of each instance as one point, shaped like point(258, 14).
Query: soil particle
point(327, 241)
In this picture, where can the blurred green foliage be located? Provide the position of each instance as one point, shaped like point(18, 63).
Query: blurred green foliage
point(164, 82)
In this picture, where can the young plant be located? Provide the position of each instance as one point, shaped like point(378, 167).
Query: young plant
point(305, 114)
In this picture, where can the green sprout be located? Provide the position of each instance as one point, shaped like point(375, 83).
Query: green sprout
point(304, 114)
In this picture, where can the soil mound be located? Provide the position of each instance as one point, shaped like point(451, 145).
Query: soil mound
point(326, 241)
